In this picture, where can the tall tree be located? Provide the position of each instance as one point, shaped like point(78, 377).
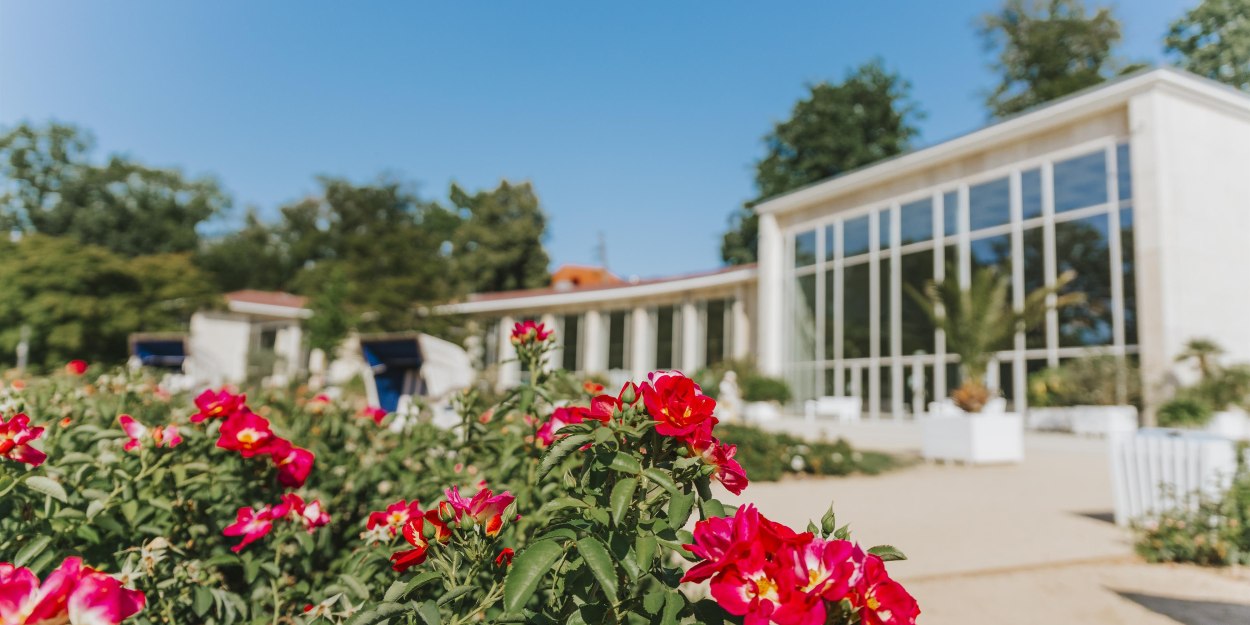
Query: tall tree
point(252, 257)
point(1047, 49)
point(499, 244)
point(836, 128)
point(1213, 40)
point(54, 189)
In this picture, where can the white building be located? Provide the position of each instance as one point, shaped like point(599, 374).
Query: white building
point(1141, 185)
point(260, 334)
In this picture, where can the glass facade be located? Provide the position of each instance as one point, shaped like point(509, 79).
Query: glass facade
point(858, 325)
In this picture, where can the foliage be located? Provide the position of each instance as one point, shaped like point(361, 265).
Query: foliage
point(581, 520)
point(329, 323)
point(1213, 40)
point(978, 319)
point(769, 456)
point(1046, 49)
point(1204, 352)
point(709, 377)
point(835, 129)
point(1215, 532)
point(1184, 411)
point(1099, 380)
point(84, 301)
point(757, 387)
point(54, 189)
point(498, 246)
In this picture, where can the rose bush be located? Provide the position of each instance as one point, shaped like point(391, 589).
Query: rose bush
point(283, 508)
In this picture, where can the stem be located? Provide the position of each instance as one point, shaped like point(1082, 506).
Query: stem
point(273, 583)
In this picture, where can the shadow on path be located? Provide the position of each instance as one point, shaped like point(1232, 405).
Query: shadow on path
point(1105, 517)
point(1191, 612)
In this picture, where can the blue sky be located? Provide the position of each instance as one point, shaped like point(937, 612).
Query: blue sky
point(637, 120)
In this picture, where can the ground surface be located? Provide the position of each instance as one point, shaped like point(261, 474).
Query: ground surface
point(1028, 544)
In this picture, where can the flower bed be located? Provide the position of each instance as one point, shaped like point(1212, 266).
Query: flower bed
point(131, 504)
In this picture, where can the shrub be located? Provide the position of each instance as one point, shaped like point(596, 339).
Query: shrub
point(768, 456)
point(1101, 380)
point(761, 388)
point(1184, 412)
point(709, 378)
point(1215, 533)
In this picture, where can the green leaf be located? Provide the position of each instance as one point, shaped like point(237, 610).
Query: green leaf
point(599, 561)
point(47, 486)
point(36, 545)
point(662, 479)
point(625, 463)
point(679, 508)
point(887, 553)
point(712, 508)
point(559, 450)
point(562, 502)
point(428, 613)
point(455, 593)
point(203, 601)
point(674, 602)
point(654, 600)
point(354, 584)
point(526, 571)
point(622, 498)
point(400, 589)
point(644, 549)
point(74, 457)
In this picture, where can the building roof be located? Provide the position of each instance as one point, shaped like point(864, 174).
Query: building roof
point(1091, 101)
point(582, 275)
point(553, 296)
point(268, 304)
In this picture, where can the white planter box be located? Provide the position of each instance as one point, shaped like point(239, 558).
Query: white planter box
point(758, 411)
point(1085, 420)
point(1232, 424)
point(1159, 469)
point(973, 439)
point(841, 409)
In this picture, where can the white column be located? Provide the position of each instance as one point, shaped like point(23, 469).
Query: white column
point(771, 269)
point(689, 337)
point(741, 326)
point(641, 361)
point(509, 367)
point(594, 352)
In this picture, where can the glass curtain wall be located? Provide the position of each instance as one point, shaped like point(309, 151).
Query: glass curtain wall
point(857, 278)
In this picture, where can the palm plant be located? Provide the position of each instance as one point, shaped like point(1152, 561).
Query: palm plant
point(978, 320)
point(1204, 351)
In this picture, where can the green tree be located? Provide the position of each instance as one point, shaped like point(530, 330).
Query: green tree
point(499, 244)
point(83, 301)
point(330, 321)
point(978, 320)
point(252, 257)
point(1047, 49)
point(835, 129)
point(1213, 40)
point(53, 188)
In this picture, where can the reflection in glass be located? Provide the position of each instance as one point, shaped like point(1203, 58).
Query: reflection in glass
point(883, 229)
point(805, 248)
point(887, 392)
point(1129, 264)
point(616, 339)
point(1031, 193)
point(855, 236)
point(917, 328)
point(829, 243)
point(856, 311)
point(805, 319)
point(1082, 246)
point(950, 213)
point(664, 337)
point(884, 308)
point(993, 252)
point(1080, 182)
point(1124, 171)
point(714, 343)
point(989, 204)
point(1034, 278)
point(829, 312)
point(916, 221)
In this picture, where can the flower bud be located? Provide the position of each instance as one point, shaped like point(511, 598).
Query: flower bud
point(446, 512)
point(628, 394)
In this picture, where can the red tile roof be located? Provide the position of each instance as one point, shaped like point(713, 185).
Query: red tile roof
point(268, 298)
point(498, 295)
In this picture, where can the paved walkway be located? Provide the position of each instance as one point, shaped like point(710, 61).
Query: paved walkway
point(1029, 543)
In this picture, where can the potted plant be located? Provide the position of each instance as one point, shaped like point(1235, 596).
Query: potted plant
point(978, 320)
point(763, 396)
point(1092, 396)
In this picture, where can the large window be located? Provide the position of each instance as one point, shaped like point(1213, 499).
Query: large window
point(664, 336)
point(714, 343)
point(570, 356)
point(616, 338)
point(869, 334)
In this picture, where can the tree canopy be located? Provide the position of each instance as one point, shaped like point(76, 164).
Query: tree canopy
point(836, 128)
point(121, 205)
point(1046, 49)
point(498, 245)
point(1213, 40)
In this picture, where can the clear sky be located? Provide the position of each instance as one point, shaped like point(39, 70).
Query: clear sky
point(637, 120)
